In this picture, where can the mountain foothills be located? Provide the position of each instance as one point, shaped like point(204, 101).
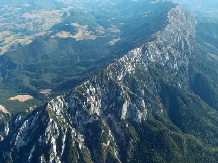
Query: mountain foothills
point(144, 85)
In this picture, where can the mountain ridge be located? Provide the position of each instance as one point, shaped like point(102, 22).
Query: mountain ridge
point(125, 112)
point(62, 63)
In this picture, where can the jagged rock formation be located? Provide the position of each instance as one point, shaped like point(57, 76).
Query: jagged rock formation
point(124, 113)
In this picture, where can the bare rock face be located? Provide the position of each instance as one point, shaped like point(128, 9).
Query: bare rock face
point(92, 122)
point(1, 138)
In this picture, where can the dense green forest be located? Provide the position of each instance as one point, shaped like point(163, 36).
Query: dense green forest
point(59, 64)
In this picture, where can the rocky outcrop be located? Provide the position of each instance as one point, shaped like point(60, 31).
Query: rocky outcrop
point(91, 122)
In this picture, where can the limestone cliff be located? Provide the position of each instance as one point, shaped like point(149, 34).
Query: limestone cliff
point(118, 115)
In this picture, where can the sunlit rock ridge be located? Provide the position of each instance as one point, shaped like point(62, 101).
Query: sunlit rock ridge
point(94, 122)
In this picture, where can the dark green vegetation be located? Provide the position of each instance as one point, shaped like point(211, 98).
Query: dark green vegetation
point(181, 126)
point(59, 64)
point(171, 114)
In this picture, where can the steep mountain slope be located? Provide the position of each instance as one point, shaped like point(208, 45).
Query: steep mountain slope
point(84, 41)
point(140, 108)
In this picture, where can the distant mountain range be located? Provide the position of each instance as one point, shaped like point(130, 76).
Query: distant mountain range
point(201, 8)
